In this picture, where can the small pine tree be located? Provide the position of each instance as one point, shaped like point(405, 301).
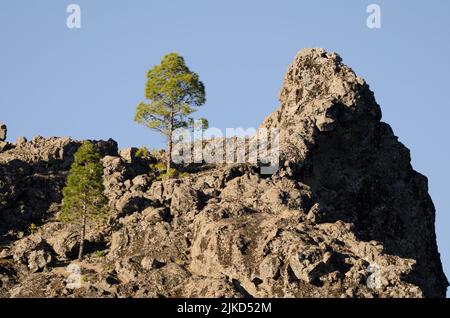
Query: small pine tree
point(173, 91)
point(83, 198)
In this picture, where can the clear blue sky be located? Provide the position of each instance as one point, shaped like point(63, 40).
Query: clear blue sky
point(86, 83)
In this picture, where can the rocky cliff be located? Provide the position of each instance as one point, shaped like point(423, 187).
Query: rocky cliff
point(345, 215)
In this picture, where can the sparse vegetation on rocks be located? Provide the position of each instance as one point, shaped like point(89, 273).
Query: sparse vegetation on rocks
point(173, 92)
point(344, 216)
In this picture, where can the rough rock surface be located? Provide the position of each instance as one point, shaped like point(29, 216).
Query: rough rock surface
point(3, 131)
point(32, 175)
point(345, 215)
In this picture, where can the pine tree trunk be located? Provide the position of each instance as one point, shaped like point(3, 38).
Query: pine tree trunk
point(83, 233)
point(169, 143)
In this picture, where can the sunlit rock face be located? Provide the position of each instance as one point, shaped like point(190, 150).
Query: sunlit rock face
point(345, 215)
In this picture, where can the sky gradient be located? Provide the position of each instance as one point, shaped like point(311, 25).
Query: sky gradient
point(86, 83)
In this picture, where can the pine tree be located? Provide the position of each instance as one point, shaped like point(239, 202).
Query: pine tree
point(83, 198)
point(173, 92)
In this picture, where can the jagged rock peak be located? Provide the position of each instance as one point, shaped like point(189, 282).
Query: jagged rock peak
point(318, 93)
point(332, 139)
point(317, 78)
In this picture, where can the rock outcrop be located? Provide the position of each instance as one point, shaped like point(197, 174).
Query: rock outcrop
point(344, 216)
point(32, 175)
point(357, 169)
point(3, 132)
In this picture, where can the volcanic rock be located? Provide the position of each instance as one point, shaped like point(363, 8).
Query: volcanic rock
point(345, 215)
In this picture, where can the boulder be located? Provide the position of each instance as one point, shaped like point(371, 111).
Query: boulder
point(128, 154)
point(132, 202)
point(38, 260)
point(3, 132)
point(20, 141)
point(311, 264)
point(34, 252)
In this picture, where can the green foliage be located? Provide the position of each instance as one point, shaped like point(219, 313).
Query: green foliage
point(83, 193)
point(160, 171)
point(157, 153)
point(179, 261)
point(159, 166)
point(142, 152)
point(183, 174)
point(173, 91)
point(170, 173)
point(145, 153)
point(32, 228)
point(171, 86)
point(200, 123)
point(101, 253)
